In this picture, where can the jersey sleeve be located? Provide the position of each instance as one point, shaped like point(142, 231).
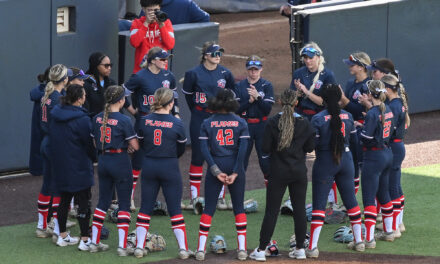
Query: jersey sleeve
point(128, 129)
point(316, 126)
point(173, 85)
point(188, 82)
point(133, 83)
point(204, 145)
point(370, 125)
point(180, 129)
point(230, 83)
point(242, 147)
point(296, 75)
point(268, 91)
point(330, 78)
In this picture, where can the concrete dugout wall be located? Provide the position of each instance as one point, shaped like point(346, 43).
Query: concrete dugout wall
point(404, 31)
point(29, 44)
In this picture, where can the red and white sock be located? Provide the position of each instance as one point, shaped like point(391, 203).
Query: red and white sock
point(142, 226)
point(179, 229)
point(333, 196)
point(318, 217)
point(356, 185)
point(370, 214)
point(396, 213)
point(123, 225)
point(136, 174)
point(205, 224)
point(356, 223)
point(387, 217)
point(98, 221)
point(402, 206)
point(195, 179)
point(43, 210)
point(378, 206)
point(55, 204)
point(241, 225)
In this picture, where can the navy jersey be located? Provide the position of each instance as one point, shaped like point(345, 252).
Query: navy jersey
point(306, 78)
point(118, 131)
point(321, 122)
point(352, 91)
point(51, 102)
point(202, 84)
point(160, 134)
point(373, 134)
point(144, 83)
point(258, 108)
point(223, 132)
point(399, 113)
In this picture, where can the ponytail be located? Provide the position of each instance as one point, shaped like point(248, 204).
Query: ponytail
point(377, 90)
point(404, 97)
point(112, 95)
point(332, 95)
point(286, 124)
point(57, 74)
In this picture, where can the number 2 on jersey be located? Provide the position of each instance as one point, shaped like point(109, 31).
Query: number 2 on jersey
point(157, 140)
point(107, 134)
point(386, 129)
point(343, 129)
point(225, 137)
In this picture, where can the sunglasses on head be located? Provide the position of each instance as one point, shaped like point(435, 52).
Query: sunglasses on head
point(311, 50)
point(356, 61)
point(216, 53)
point(107, 65)
point(254, 63)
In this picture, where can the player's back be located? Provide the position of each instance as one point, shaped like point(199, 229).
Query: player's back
point(374, 134)
point(116, 133)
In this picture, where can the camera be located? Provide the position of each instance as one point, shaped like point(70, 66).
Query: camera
point(160, 15)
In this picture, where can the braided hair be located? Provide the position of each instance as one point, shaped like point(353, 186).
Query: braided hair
point(391, 81)
point(286, 124)
point(162, 98)
point(57, 74)
point(377, 90)
point(331, 95)
point(112, 95)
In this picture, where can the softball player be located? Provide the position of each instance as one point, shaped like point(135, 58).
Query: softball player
point(202, 83)
point(377, 163)
point(144, 83)
point(163, 141)
point(335, 131)
point(35, 157)
point(255, 95)
point(114, 138)
point(223, 142)
point(399, 107)
point(52, 93)
point(357, 63)
point(309, 79)
point(287, 137)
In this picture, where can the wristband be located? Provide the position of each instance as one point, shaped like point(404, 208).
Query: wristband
point(215, 170)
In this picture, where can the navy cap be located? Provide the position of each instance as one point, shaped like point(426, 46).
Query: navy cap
point(161, 55)
point(310, 52)
point(75, 74)
point(349, 62)
point(352, 60)
point(254, 64)
point(373, 67)
point(214, 48)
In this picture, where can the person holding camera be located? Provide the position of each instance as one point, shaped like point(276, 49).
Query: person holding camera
point(153, 29)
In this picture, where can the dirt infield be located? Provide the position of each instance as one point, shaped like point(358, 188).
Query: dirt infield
point(264, 34)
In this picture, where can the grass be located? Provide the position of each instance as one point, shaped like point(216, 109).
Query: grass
point(18, 244)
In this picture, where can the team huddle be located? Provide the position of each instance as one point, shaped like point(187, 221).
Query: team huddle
point(354, 131)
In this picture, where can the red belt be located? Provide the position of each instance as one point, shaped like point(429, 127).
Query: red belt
point(397, 140)
point(360, 121)
point(307, 111)
point(198, 108)
point(373, 148)
point(256, 120)
point(114, 150)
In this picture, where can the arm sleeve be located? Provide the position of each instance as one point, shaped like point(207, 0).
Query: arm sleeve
point(268, 139)
point(132, 84)
point(129, 132)
point(204, 138)
point(197, 15)
point(167, 34)
point(242, 148)
point(137, 33)
point(188, 88)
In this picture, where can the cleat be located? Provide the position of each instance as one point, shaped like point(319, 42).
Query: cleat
point(41, 233)
point(297, 253)
point(200, 255)
point(54, 238)
point(385, 236)
point(114, 206)
point(221, 204)
point(184, 254)
point(182, 206)
point(139, 252)
point(312, 253)
point(98, 247)
point(132, 206)
point(258, 255)
point(123, 252)
point(70, 223)
point(402, 227)
point(379, 226)
point(360, 247)
point(242, 255)
point(397, 233)
point(370, 244)
point(67, 241)
point(84, 246)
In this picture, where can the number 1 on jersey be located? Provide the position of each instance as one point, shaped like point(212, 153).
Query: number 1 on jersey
point(107, 134)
